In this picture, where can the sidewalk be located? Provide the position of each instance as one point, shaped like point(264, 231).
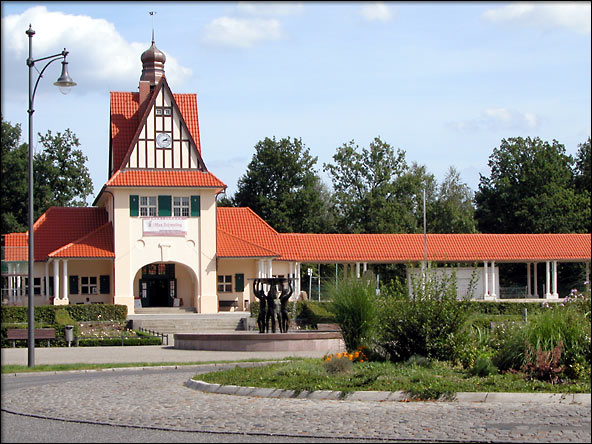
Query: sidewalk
point(135, 354)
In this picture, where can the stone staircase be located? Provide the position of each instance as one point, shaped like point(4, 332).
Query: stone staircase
point(170, 320)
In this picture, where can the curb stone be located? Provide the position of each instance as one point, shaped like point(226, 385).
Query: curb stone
point(399, 396)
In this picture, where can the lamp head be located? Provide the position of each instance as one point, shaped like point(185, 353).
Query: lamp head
point(64, 82)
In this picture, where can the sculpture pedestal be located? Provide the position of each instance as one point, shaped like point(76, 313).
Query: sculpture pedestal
point(328, 342)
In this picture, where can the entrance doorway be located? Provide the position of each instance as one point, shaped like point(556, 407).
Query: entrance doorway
point(158, 286)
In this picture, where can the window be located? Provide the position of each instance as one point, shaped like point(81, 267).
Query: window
point(181, 206)
point(88, 284)
point(36, 285)
point(164, 110)
point(73, 280)
point(105, 285)
point(225, 284)
point(147, 206)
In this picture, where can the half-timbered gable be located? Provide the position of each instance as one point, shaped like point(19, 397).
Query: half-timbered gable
point(163, 139)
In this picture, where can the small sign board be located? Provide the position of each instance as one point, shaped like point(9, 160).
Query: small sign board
point(164, 226)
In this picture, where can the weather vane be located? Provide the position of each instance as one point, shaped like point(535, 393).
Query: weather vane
point(152, 15)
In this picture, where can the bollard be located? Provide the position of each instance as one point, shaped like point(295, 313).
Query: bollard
point(525, 314)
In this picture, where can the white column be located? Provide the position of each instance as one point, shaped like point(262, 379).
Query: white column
point(46, 280)
point(547, 281)
point(486, 279)
point(365, 269)
point(10, 284)
point(298, 286)
point(56, 279)
point(358, 270)
point(493, 278)
point(555, 293)
point(65, 280)
point(528, 279)
point(536, 280)
point(270, 268)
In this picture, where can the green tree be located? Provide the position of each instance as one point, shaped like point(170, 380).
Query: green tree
point(369, 192)
point(453, 210)
point(582, 179)
point(583, 168)
point(61, 177)
point(13, 181)
point(281, 186)
point(530, 190)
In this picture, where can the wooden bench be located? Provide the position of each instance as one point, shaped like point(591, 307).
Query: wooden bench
point(227, 304)
point(13, 334)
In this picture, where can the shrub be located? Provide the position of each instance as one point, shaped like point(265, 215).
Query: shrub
point(431, 323)
point(352, 302)
point(419, 361)
point(483, 366)
point(45, 314)
point(543, 365)
point(337, 364)
point(567, 325)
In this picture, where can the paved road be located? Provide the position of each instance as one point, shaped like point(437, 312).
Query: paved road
point(158, 399)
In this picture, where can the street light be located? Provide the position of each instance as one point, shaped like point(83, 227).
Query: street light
point(64, 83)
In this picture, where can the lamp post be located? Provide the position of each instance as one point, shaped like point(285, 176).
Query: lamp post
point(64, 82)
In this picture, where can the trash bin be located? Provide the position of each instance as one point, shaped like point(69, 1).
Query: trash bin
point(69, 334)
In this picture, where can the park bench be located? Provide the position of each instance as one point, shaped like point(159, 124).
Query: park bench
point(228, 304)
point(13, 334)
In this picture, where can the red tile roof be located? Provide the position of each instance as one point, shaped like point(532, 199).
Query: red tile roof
point(60, 226)
point(16, 247)
point(97, 244)
point(440, 247)
point(164, 178)
point(229, 246)
point(243, 223)
point(125, 120)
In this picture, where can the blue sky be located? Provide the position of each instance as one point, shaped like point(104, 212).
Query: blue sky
point(445, 82)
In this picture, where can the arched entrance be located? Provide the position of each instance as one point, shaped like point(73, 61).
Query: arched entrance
point(158, 285)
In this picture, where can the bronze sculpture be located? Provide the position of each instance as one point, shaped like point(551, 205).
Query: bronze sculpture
point(273, 305)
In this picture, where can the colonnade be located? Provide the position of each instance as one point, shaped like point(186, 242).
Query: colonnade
point(17, 288)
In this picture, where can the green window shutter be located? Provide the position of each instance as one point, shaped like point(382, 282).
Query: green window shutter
point(134, 200)
point(195, 206)
point(239, 282)
point(164, 205)
point(104, 284)
point(73, 284)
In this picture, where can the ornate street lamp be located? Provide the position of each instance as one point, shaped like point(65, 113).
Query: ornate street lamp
point(64, 83)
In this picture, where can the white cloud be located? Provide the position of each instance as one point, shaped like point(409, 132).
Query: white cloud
point(376, 12)
point(269, 9)
point(499, 118)
point(570, 15)
point(99, 56)
point(241, 33)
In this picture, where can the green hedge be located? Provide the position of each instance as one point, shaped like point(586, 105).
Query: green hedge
point(105, 342)
point(45, 314)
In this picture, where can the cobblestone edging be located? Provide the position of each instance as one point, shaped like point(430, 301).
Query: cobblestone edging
point(400, 396)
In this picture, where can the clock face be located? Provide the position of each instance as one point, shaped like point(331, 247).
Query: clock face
point(163, 140)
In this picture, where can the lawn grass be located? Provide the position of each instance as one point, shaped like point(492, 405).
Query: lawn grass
point(441, 380)
point(107, 366)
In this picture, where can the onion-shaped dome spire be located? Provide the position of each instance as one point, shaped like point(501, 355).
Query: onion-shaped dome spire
point(153, 60)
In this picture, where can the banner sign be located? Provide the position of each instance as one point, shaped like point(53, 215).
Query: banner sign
point(164, 226)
